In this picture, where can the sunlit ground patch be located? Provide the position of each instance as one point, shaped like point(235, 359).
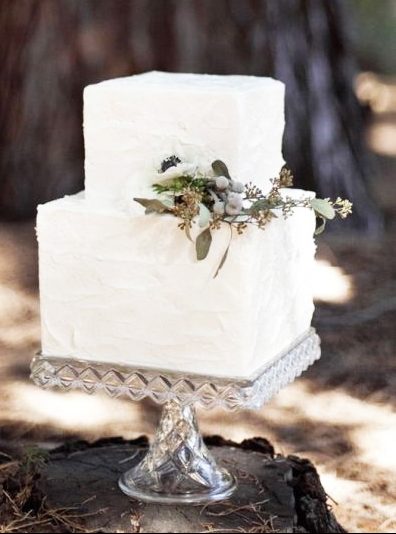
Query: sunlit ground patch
point(75, 411)
point(331, 284)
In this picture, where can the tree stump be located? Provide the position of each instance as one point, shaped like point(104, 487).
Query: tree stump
point(275, 493)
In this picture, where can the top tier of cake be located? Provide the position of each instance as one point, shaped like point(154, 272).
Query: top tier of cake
point(131, 124)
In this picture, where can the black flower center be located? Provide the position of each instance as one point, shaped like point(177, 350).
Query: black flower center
point(171, 161)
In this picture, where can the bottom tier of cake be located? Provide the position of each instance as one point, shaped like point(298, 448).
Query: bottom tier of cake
point(128, 289)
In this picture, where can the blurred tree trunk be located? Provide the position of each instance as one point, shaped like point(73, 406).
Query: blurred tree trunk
point(50, 50)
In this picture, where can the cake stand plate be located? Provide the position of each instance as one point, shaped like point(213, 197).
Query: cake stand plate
point(178, 468)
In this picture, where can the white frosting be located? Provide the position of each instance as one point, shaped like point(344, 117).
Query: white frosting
point(128, 289)
point(119, 286)
point(131, 124)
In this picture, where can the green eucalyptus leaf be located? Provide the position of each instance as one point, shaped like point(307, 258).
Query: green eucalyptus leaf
point(168, 201)
point(204, 215)
point(187, 229)
point(220, 168)
point(152, 205)
point(320, 228)
point(323, 208)
point(259, 205)
point(222, 262)
point(242, 217)
point(202, 244)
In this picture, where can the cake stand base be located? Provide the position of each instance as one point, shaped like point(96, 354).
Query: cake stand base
point(178, 468)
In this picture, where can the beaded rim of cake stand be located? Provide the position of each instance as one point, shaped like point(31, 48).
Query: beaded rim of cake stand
point(163, 386)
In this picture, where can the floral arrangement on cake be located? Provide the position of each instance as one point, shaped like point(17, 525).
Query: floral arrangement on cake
point(211, 198)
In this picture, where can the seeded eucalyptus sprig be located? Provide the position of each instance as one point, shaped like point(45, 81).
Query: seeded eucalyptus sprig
point(212, 198)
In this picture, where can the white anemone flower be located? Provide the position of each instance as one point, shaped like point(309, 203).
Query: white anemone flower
point(182, 169)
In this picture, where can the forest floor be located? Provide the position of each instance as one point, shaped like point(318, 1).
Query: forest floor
point(340, 414)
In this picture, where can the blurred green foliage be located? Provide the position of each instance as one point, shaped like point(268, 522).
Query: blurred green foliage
point(374, 34)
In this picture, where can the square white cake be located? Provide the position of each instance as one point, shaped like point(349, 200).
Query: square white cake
point(123, 287)
point(131, 124)
point(112, 291)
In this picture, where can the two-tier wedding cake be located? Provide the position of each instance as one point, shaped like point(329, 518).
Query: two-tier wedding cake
point(120, 286)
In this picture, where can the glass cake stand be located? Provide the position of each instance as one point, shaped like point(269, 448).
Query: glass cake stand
point(178, 467)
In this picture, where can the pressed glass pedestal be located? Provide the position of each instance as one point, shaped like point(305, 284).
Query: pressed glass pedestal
point(178, 467)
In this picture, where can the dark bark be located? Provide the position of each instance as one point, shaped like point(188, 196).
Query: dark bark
point(50, 50)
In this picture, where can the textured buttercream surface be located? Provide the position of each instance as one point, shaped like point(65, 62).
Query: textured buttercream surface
point(128, 289)
point(131, 124)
